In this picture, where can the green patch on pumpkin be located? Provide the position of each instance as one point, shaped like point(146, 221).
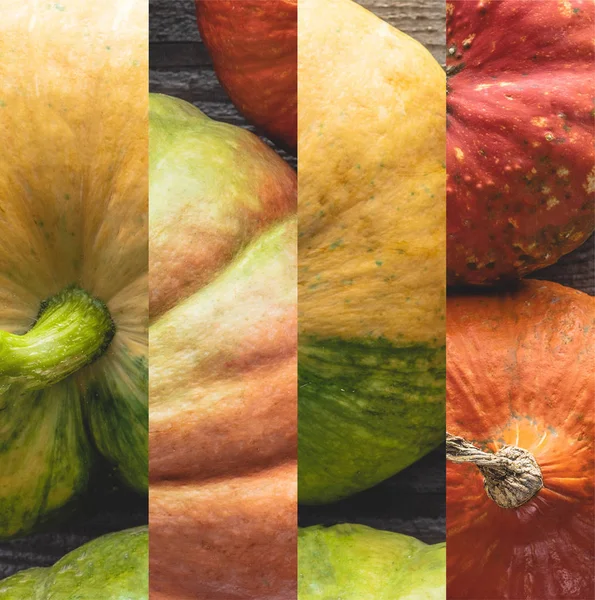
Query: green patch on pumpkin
point(368, 408)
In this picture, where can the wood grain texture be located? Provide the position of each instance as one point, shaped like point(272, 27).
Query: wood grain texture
point(576, 270)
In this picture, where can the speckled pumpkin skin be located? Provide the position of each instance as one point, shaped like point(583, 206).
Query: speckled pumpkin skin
point(520, 371)
point(73, 210)
point(520, 158)
point(223, 346)
point(371, 275)
point(253, 45)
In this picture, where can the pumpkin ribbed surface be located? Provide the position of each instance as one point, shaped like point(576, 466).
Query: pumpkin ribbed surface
point(73, 222)
point(222, 361)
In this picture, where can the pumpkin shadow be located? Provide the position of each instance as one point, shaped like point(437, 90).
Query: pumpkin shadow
point(413, 502)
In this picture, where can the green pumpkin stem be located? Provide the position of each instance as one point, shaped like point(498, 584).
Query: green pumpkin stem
point(72, 330)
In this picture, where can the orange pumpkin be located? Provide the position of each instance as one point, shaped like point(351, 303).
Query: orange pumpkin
point(253, 45)
point(520, 373)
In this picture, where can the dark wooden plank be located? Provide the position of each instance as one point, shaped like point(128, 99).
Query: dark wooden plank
point(194, 85)
point(176, 55)
point(106, 507)
point(172, 21)
point(576, 270)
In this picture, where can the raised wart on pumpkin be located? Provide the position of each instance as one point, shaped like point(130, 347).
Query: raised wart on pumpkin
point(565, 8)
point(590, 183)
point(485, 86)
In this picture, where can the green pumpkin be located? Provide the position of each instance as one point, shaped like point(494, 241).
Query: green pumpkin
point(355, 562)
point(73, 254)
point(112, 567)
point(371, 250)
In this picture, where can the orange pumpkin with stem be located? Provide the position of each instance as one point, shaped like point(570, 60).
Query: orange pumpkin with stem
point(520, 373)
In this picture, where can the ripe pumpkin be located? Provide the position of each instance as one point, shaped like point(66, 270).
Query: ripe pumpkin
point(371, 278)
point(520, 159)
point(113, 567)
point(223, 348)
point(73, 252)
point(253, 45)
point(520, 372)
point(354, 562)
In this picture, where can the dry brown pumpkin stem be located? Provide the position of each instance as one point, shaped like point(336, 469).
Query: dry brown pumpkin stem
point(511, 475)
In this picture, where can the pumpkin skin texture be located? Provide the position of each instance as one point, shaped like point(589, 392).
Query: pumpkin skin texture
point(253, 45)
point(371, 277)
point(114, 566)
point(355, 562)
point(73, 183)
point(520, 372)
point(520, 159)
point(223, 361)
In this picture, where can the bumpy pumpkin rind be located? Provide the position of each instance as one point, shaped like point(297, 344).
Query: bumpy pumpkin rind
point(114, 566)
point(520, 158)
point(354, 562)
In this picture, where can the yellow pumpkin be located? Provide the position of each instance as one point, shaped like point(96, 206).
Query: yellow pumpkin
point(372, 219)
point(73, 251)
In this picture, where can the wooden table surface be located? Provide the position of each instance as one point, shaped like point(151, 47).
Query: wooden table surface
point(411, 502)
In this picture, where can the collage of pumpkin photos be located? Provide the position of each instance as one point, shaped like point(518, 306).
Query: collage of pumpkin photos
point(297, 300)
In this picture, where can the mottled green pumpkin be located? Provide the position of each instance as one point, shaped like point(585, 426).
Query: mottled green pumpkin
point(112, 567)
point(371, 250)
point(355, 562)
point(73, 252)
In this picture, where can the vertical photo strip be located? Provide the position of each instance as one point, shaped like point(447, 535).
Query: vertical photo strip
point(520, 312)
point(73, 300)
point(371, 299)
point(223, 300)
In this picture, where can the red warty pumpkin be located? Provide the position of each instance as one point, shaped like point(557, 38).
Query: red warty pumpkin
point(520, 372)
point(253, 44)
point(520, 162)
